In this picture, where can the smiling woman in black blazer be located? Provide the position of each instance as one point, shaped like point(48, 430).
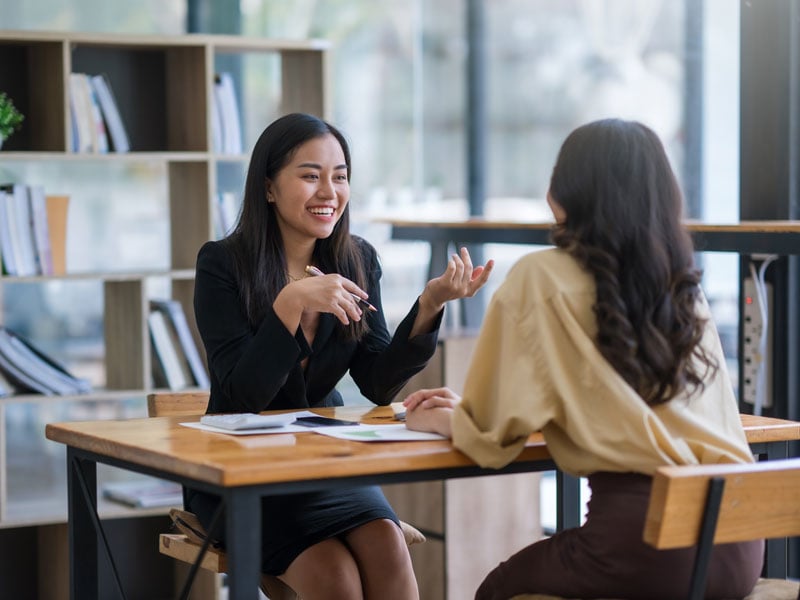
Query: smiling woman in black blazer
point(278, 339)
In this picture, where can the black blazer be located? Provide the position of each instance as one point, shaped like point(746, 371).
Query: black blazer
point(259, 369)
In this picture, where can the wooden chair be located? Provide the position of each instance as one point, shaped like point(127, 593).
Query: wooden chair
point(186, 545)
point(708, 504)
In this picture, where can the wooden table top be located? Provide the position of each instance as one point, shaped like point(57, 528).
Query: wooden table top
point(231, 460)
point(746, 237)
point(777, 226)
point(767, 429)
point(161, 443)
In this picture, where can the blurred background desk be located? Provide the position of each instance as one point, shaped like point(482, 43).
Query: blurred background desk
point(751, 240)
point(747, 237)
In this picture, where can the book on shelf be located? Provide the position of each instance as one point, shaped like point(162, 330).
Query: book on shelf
point(179, 331)
point(88, 115)
point(216, 123)
point(7, 221)
point(32, 230)
point(18, 214)
point(80, 110)
point(99, 134)
point(146, 493)
point(6, 387)
point(30, 370)
point(110, 110)
point(57, 207)
point(74, 139)
point(40, 230)
point(228, 104)
point(168, 369)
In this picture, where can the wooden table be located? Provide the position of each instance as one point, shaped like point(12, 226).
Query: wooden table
point(241, 469)
point(746, 237)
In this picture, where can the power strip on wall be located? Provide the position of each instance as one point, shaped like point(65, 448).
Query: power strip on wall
point(751, 357)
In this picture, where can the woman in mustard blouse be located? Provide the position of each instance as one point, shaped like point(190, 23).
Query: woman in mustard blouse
point(605, 344)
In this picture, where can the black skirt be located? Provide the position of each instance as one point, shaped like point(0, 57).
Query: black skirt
point(607, 557)
point(292, 523)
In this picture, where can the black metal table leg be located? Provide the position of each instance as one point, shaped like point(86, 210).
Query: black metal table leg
point(776, 561)
point(568, 501)
point(82, 536)
point(243, 522)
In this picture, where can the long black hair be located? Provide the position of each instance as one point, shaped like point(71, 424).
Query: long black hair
point(256, 241)
point(623, 223)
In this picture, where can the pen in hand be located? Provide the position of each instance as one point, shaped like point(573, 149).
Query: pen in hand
point(314, 271)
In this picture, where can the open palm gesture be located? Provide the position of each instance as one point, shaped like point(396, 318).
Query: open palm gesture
point(459, 280)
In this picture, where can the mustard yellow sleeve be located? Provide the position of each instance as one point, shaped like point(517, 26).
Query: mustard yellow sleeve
point(507, 390)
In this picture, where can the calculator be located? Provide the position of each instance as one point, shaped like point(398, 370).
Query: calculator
point(240, 421)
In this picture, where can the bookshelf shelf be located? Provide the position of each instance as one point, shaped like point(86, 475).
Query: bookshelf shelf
point(230, 158)
point(25, 514)
point(96, 395)
point(102, 276)
point(164, 87)
point(128, 157)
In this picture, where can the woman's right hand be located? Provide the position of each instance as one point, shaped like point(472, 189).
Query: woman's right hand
point(331, 293)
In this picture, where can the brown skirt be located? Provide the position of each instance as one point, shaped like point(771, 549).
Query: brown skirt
point(607, 558)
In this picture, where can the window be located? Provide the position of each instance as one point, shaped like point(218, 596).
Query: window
point(398, 81)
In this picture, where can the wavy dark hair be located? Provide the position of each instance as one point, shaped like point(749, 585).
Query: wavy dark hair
point(623, 211)
point(256, 242)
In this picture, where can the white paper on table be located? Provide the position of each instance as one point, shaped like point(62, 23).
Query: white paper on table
point(291, 428)
point(378, 433)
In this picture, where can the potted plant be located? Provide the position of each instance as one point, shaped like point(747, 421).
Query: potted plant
point(10, 117)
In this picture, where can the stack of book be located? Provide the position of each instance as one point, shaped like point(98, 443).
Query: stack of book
point(176, 361)
point(24, 369)
point(32, 230)
point(95, 120)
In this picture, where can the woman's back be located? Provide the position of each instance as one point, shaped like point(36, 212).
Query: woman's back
point(538, 367)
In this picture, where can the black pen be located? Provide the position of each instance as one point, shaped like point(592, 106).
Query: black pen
point(315, 272)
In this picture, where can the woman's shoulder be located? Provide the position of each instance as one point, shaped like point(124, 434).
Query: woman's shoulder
point(554, 265)
point(363, 245)
point(539, 276)
point(214, 253)
point(367, 251)
point(212, 247)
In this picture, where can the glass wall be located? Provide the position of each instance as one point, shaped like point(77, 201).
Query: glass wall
point(399, 86)
point(146, 16)
point(720, 164)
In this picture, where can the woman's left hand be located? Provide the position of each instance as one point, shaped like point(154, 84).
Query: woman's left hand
point(460, 280)
point(431, 398)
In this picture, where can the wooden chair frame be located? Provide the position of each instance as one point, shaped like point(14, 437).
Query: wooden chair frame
point(704, 505)
point(712, 504)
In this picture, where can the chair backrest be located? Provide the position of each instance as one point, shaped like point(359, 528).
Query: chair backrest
point(759, 500)
point(176, 404)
